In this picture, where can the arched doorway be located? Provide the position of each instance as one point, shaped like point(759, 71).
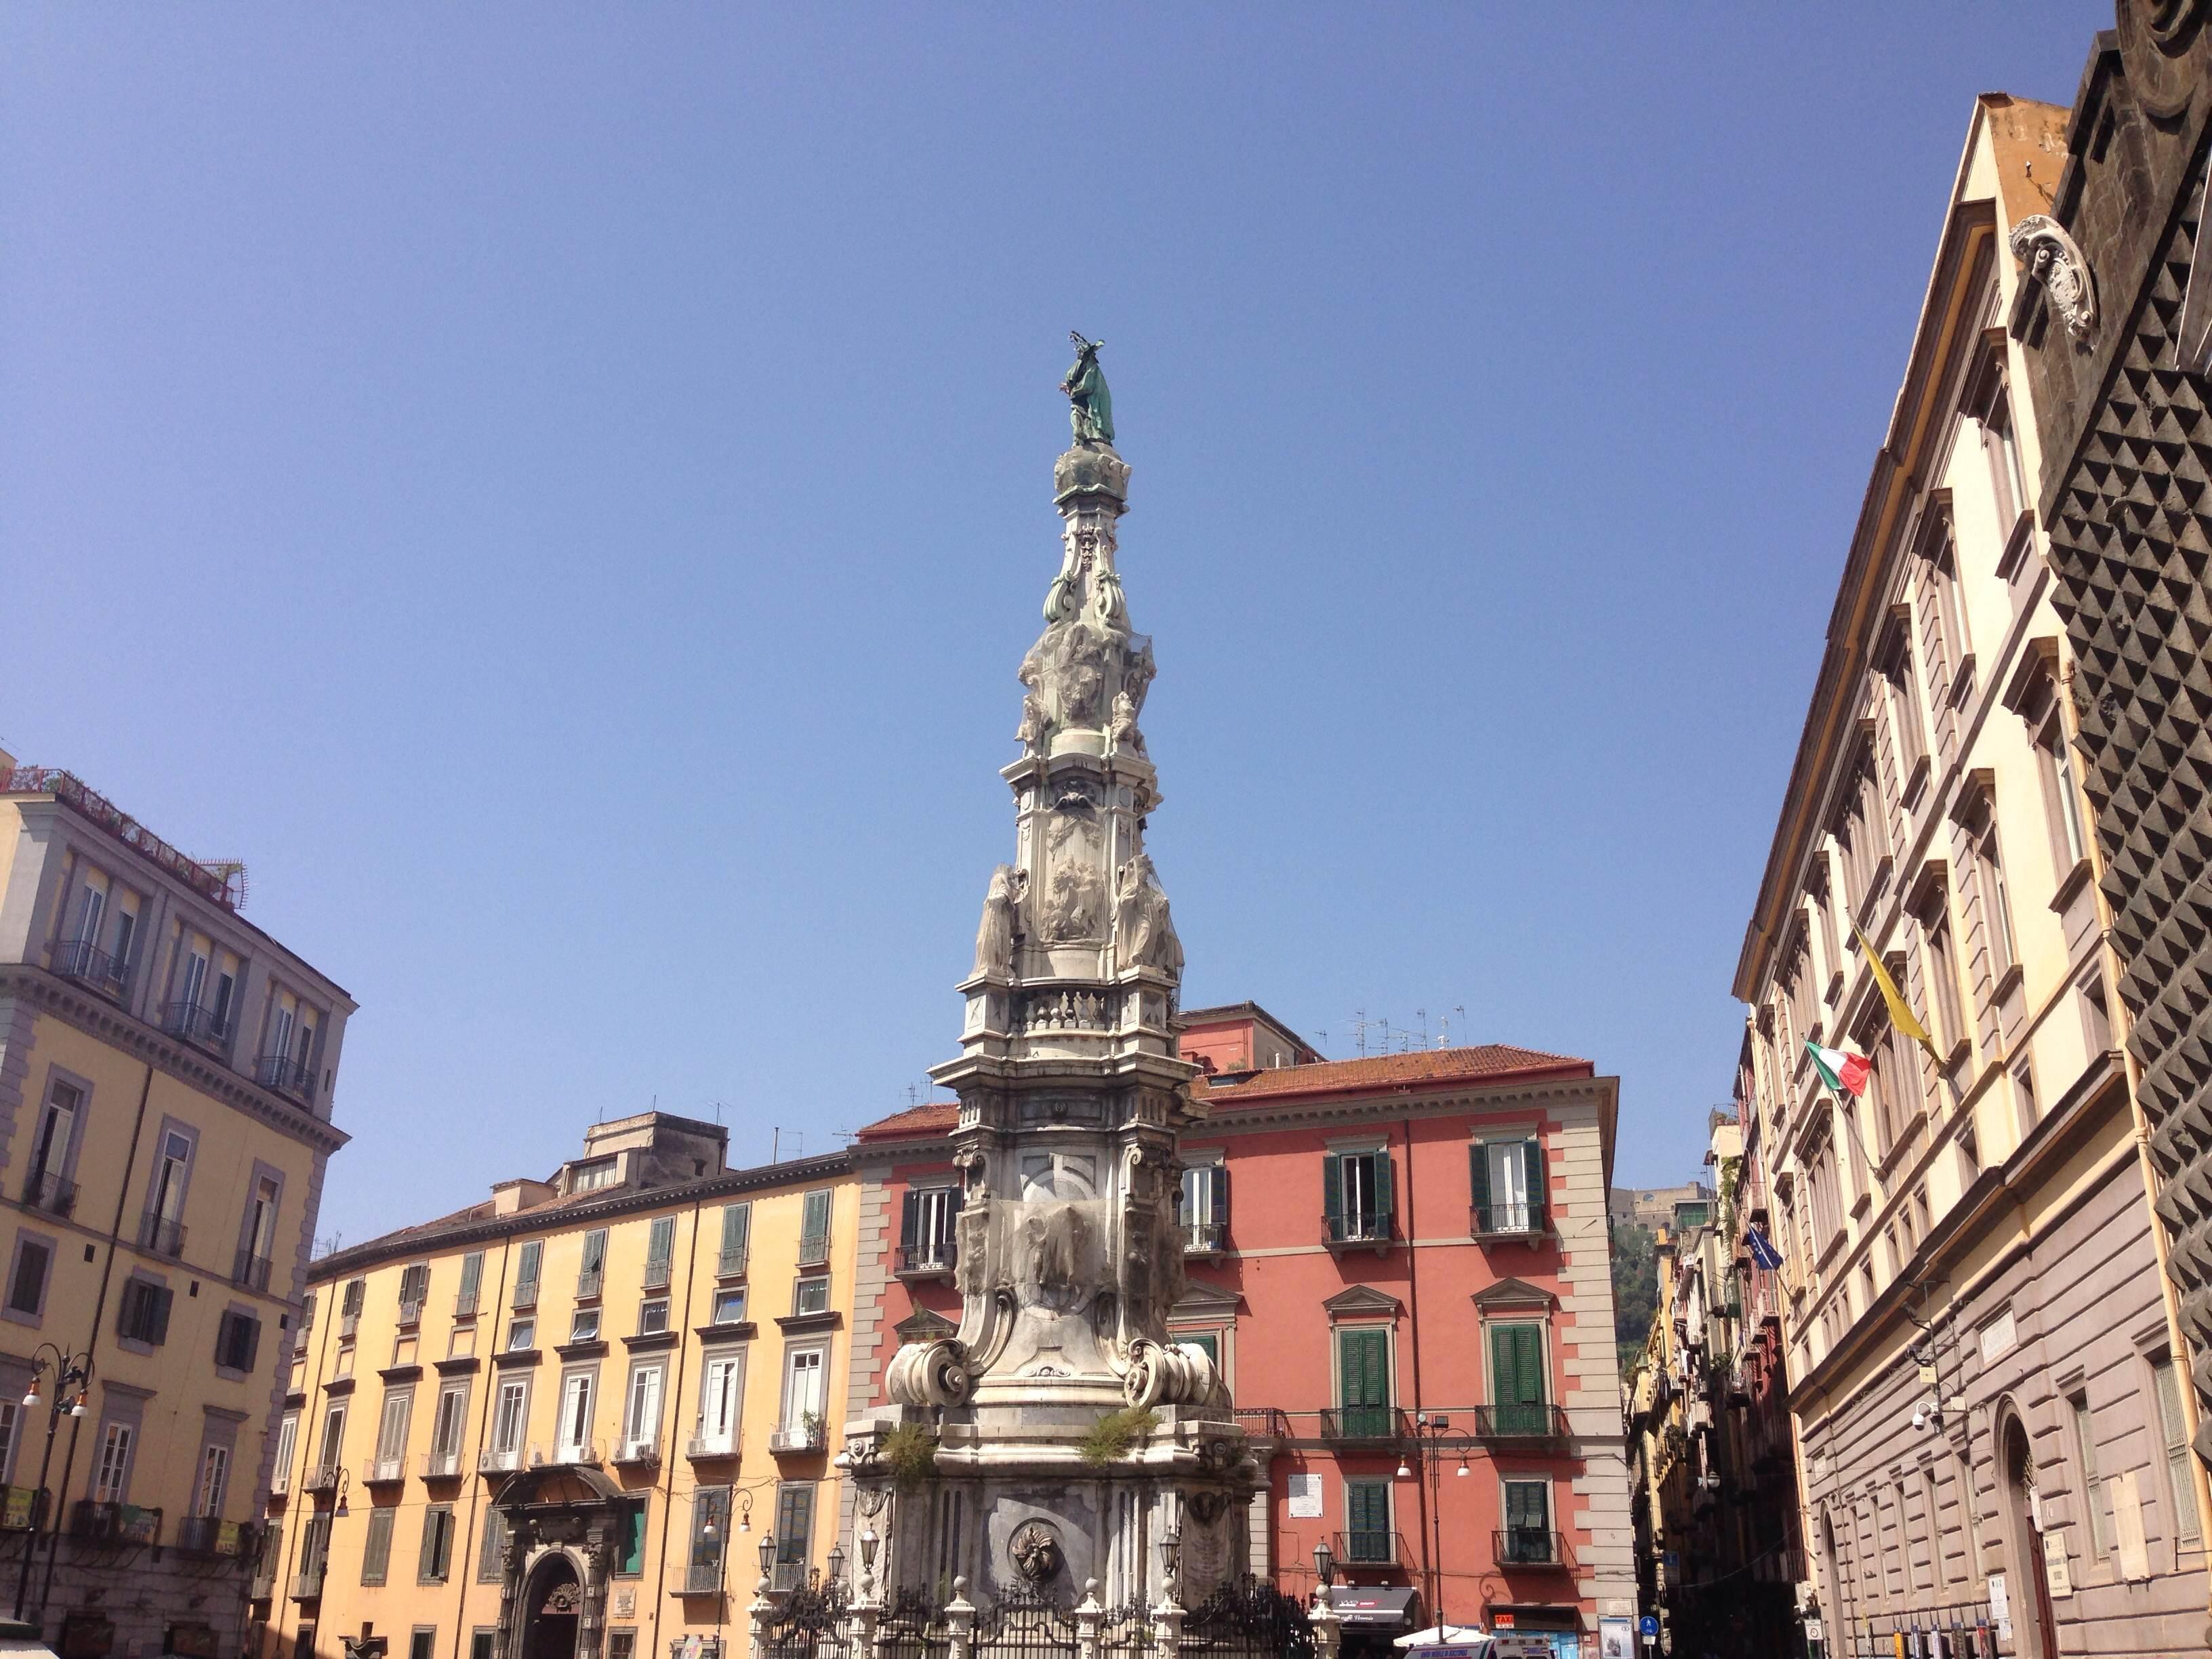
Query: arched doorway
point(551, 1600)
point(2033, 1625)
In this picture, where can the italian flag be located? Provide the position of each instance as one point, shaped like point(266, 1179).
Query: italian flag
point(1845, 1074)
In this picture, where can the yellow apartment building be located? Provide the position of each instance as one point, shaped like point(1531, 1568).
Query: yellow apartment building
point(1983, 1355)
point(566, 1420)
point(165, 1076)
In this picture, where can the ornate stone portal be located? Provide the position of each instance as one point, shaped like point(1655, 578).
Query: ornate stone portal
point(1072, 1437)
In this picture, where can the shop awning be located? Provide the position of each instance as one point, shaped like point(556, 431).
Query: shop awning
point(1374, 1606)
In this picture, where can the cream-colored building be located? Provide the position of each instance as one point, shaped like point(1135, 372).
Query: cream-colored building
point(166, 1076)
point(1981, 1352)
point(563, 1421)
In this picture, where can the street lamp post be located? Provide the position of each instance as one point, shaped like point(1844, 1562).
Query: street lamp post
point(71, 1372)
point(1429, 1431)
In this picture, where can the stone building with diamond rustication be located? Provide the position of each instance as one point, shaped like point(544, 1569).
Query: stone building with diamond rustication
point(2113, 326)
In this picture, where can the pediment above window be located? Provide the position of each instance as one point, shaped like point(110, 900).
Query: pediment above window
point(1514, 1293)
point(1362, 1302)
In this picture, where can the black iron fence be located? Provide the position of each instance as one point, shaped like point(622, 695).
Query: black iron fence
point(1026, 1625)
point(1249, 1620)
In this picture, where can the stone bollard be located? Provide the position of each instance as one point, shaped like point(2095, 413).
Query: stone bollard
point(757, 1616)
point(960, 1621)
point(861, 1627)
point(1089, 1616)
point(1167, 1628)
point(1327, 1625)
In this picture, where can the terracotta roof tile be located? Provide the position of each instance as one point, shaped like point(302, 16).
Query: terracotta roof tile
point(938, 1115)
point(1487, 1062)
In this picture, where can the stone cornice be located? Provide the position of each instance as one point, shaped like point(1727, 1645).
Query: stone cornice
point(95, 1015)
point(1460, 1097)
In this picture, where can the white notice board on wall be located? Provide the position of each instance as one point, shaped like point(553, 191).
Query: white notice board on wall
point(1305, 1497)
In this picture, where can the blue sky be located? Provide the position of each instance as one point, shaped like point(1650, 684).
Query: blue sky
point(563, 492)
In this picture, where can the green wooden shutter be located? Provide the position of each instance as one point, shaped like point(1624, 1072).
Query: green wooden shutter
point(1382, 1194)
point(1218, 1178)
point(1533, 1150)
point(526, 1268)
point(909, 1228)
point(1332, 1194)
point(1502, 1389)
point(472, 1272)
point(737, 1233)
point(1529, 1364)
point(660, 1244)
point(1478, 1183)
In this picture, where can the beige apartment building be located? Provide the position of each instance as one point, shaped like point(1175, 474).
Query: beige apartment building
point(1982, 1362)
point(166, 1076)
point(565, 1420)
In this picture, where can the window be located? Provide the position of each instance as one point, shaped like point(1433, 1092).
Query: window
point(1507, 1181)
point(1519, 1391)
point(811, 1295)
point(423, 1642)
point(1931, 1534)
point(225, 999)
point(357, 1294)
point(737, 1233)
point(1906, 719)
point(2023, 1089)
point(491, 1556)
point(803, 1396)
point(1356, 1195)
point(593, 1176)
point(2007, 479)
point(1997, 902)
point(2174, 1433)
point(215, 1470)
point(642, 1419)
point(2095, 1494)
point(447, 1427)
point(521, 1334)
point(1367, 1531)
point(376, 1548)
point(237, 1339)
point(511, 1415)
point(164, 1230)
point(1527, 1509)
point(48, 1188)
point(575, 1427)
point(926, 1228)
point(414, 1291)
point(710, 1522)
point(464, 1301)
point(2096, 1013)
point(26, 1283)
point(721, 1390)
point(585, 1326)
point(391, 1431)
point(288, 1438)
point(92, 908)
point(1362, 1382)
point(2069, 840)
point(333, 1435)
point(259, 1247)
point(437, 1544)
point(730, 1306)
point(794, 1533)
point(481, 1642)
point(1205, 1202)
point(526, 1273)
point(814, 1229)
point(630, 1537)
point(591, 1277)
point(620, 1643)
point(1950, 1026)
point(653, 1315)
point(111, 1471)
point(660, 1252)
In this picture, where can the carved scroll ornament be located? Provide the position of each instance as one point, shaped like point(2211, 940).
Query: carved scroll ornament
point(2055, 259)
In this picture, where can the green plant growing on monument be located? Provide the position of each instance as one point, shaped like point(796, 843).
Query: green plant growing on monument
point(909, 1452)
point(1109, 1439)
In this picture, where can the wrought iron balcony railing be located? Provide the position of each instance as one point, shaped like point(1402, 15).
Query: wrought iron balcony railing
point(52, 1193)
point(285, 1074)
point(1520, 1422)
point(813, 1250)
point(441, 1465)
point(703, 1578)
point(83, 961)
point(730, 1264)
point(1530, 1547)
point(163, 1238)
point(786, 1577)
point(210, 1534)
point(321, 1478)
point(590, 1282)
point(1525, 1218)
point(799, 1437)
point(194, 1024)
point(926, 1260)
point(1355, 1227)
point(526, 1294)
point(411, 1314)
point(465, 1304)
point(1205, 1237)
point(1368, 1547)
point(1363, 1423)
point(251, 1270)
point(657, 1273)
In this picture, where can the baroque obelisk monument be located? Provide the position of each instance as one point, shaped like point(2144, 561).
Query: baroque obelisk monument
point(1059, 1435)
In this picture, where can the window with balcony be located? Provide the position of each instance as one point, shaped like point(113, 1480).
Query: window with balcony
point(592, 1276)
point(660, 1252)
point(390, 1463)
point(925, 1236)
point(53, 1151)
point(794, 1534)
point(805, 1395)
point(736, 1238)
point(142, 1312)
point(324, 1476)
point(376, 1547)
point(573, 1430)
point(721, 1392)
point(1362, 1384)
point(710, 1527)
point(447, 1430)
point(641, 1411)
point(351, 1300)
point(510, 1420)
point(257, 1247)
point(1520, 1386)
point(163, 1229)
point(1527, 1538)
point(526, 1263)
point(414, 1291)
point(97, 951)
point(1203, 1205)
point(1356, 1193)
point(1369, 1538)
point(111, 1469)
point(1507, 1183)
point(466, 1299)
point(814, 1229)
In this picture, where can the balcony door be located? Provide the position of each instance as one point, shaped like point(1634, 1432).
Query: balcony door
point(1518, 1398)
point(575, 1425)
point(1528, 1505)
point(90, 910)
point(718, 1402)
point(803, 1395)
point(1362, 1382)
point(50, 1152)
